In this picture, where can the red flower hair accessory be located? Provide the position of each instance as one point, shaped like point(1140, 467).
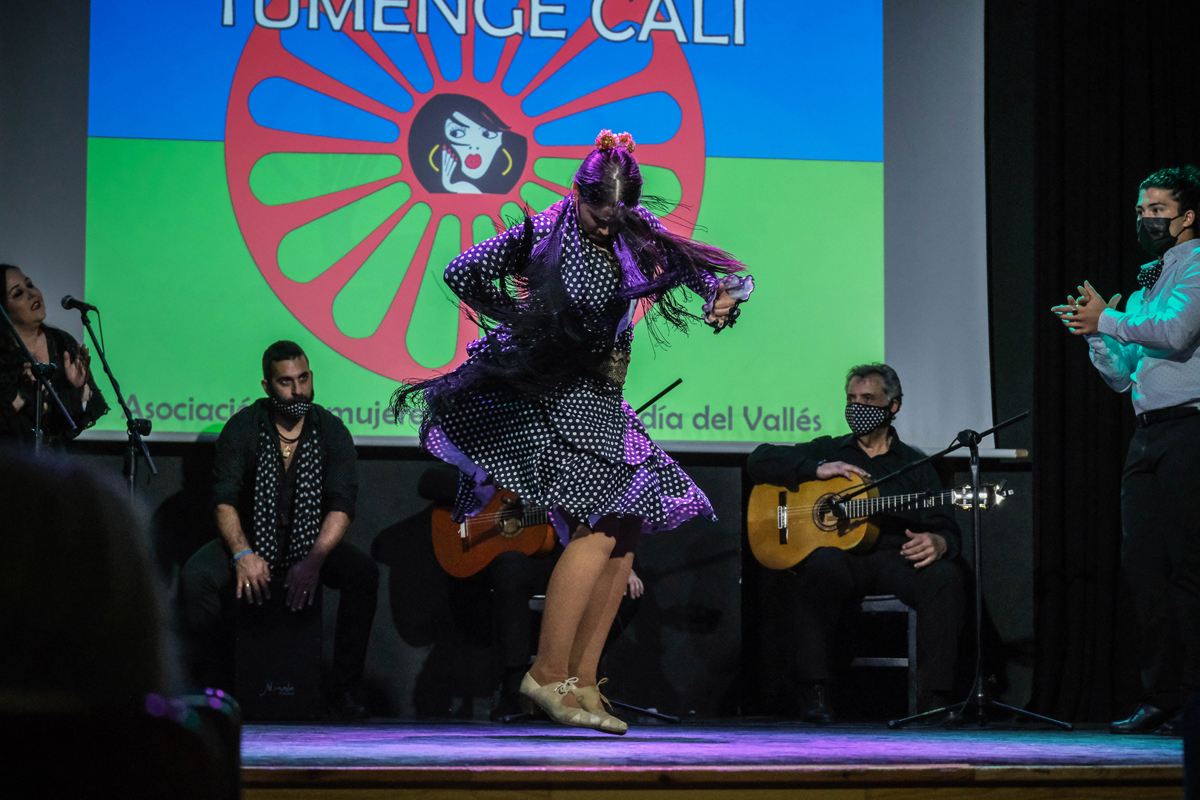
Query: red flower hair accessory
point(607, 140)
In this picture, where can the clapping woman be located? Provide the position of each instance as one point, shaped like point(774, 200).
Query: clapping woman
point(72, 377)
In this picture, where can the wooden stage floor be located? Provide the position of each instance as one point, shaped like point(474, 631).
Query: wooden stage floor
point(703, 761)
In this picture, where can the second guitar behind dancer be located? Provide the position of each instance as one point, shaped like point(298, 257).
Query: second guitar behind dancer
point(537, 406)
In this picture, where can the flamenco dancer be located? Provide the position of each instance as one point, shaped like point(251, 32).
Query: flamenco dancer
point(537, 406)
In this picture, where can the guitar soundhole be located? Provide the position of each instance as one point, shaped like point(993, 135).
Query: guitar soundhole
point(510, 525)
point(823, 516)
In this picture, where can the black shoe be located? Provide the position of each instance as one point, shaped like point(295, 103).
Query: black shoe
point(343, 706)
point(1172, 727)
point(813, 701)
point(508, 709)
point(1144, 720)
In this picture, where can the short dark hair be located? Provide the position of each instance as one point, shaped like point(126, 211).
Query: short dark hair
point(1184, 185)
point(283, 350)
point(891, 381)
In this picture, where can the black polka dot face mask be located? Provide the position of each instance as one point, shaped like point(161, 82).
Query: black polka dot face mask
point(293, 410)
point(863, 419)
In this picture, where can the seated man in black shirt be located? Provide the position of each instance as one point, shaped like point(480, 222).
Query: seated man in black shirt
point(912, 558)
point(285, 487)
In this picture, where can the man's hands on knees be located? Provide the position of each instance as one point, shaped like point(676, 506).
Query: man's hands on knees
point(302, 580)
point(923, 548)
point(835, 468)
point(253, 578)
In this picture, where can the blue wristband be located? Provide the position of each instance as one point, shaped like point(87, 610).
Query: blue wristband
point(233, 562)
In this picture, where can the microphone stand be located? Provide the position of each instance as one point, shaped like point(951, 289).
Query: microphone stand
point(135, 428)
point(42, 372)
point(638, 709)
point(979, 701)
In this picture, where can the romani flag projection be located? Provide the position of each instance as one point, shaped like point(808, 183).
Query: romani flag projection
point(305, 169)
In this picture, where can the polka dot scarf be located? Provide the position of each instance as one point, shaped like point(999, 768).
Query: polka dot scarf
point(306, 501)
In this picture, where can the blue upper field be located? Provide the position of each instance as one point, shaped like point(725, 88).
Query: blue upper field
point(807, 83)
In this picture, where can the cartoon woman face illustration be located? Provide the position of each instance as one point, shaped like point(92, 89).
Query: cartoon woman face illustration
point(458, 145)
point(474, 144)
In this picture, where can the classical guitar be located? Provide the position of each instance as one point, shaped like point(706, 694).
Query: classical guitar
point(505, 524)
point(784, 527)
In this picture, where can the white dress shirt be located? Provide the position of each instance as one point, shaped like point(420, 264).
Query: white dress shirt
point(1151, 348)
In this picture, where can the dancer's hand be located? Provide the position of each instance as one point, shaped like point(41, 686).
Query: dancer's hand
point(721, 306)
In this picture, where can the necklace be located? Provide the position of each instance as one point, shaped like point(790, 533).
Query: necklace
point(287, 442)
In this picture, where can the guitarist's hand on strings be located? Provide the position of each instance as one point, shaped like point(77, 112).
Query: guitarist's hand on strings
point(923, 548)
point(834, 469)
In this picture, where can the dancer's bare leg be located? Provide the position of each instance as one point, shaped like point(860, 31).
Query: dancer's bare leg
point(602, 608)
point(567, 598)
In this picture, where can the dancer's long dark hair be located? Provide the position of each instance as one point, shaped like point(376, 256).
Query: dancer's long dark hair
point(537, 342)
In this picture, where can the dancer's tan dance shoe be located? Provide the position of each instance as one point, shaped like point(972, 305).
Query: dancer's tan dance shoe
point(593, 701)
point(549, 698)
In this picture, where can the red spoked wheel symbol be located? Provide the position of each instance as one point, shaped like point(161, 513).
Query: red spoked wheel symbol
point(265, 226)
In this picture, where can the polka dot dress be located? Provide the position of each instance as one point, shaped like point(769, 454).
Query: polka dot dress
point(579, 450)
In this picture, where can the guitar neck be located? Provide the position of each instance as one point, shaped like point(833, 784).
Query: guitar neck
point(867, 506)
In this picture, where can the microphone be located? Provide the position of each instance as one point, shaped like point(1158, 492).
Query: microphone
point(837, 509)
point(70, 303)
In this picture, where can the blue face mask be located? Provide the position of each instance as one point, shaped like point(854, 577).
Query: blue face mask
point(863, 419)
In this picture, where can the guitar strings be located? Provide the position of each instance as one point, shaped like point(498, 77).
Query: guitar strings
point(542, 516)
point(527, 518)
point(871, 501)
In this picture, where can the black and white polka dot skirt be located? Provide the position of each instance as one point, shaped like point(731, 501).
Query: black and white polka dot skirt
point(582, 453)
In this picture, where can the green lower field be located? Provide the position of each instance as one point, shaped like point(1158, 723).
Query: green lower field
point(187, 313)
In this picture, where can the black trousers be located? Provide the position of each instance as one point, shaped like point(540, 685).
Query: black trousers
point(207, 606)
point(830, 578)
point(1160, 555)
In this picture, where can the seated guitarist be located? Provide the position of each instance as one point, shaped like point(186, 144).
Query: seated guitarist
point(912, 558)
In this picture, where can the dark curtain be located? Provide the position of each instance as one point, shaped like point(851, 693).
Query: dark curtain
point(1114, 100)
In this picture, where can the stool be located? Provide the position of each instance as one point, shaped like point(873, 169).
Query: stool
point(278, 658)
point(885, 603)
